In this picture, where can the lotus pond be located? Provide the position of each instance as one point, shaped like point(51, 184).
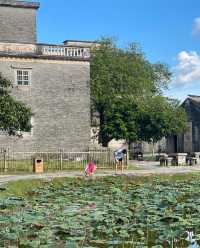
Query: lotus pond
point(106, 212)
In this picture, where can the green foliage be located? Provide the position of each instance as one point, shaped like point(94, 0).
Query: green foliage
point(14, 115)
point(150, 120)
point(160, 117)
point(117, 212)
point(123, 72)
point(126, 91)
point(120, 121)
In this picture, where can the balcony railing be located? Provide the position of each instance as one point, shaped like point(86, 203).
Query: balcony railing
point(45, 50)
point(66, 51)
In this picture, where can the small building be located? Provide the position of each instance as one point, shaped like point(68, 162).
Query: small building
point(52, 79)
point(190, 140)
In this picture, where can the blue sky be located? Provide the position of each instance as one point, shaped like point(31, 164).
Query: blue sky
point(168, 31)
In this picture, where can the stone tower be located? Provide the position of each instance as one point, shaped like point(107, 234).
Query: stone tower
point(52, 79)
point(18, 21)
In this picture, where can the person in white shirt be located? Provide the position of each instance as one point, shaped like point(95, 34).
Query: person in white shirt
point(119, 156)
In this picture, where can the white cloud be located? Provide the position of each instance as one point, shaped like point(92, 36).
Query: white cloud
point(196, 26)
point(188, 68)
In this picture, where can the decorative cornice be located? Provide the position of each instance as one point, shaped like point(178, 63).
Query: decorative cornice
point(23, 61)
point(43, 57)
point(19, 4)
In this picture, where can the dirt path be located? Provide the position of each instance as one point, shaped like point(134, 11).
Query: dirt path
point(143, 169)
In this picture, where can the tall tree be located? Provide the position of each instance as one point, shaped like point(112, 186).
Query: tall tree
point(14, 115)
point(122, 80)
point(160, 117)
point(120, 121)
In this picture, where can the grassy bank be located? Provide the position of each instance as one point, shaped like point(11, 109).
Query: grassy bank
point(22, 187)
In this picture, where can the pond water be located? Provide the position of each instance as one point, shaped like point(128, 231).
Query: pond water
point(108, 212)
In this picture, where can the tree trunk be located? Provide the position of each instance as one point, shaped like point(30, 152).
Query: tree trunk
point(153, 149)
point(103, 138)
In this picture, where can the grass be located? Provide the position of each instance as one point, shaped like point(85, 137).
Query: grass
point(22, 187)
point(133, 167)
point(26, 165)
point(23, 166)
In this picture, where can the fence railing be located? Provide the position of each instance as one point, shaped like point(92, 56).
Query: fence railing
point(54, 161)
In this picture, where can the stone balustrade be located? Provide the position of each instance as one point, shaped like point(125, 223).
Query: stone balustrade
point(79, 52)
point(45, 50)
point(17, 48)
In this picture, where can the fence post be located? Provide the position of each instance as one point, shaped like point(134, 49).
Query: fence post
point(127, 158)
point(109, 154)
point(61, 159)
point(4, 160)
point(111, 158)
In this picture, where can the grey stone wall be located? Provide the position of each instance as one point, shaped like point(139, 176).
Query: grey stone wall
point(148, 148)
point(17, 24)
point(171, 144)
point(60, 100)
point(188, 141)
point(196, 136)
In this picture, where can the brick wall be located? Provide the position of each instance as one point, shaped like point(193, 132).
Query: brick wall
point(17, 24)
point(60, 100)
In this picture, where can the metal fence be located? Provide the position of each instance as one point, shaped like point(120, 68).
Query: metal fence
point(54, 161)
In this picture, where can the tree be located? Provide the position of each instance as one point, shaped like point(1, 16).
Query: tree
point(14, 115)
point(125, 87)
point(160, 117)
point(151, 120)
point(120, 121)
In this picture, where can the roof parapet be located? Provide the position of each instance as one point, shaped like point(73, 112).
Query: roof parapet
point(19, 4)
point(45, 50)
point(81, 43)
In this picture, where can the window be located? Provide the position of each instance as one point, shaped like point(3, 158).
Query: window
point(23, 77)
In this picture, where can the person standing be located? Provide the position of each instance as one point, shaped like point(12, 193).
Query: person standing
point(119, 157)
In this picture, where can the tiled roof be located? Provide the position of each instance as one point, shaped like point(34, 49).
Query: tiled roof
point(194, 98)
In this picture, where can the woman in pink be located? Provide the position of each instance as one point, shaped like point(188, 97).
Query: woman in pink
point(90, 168)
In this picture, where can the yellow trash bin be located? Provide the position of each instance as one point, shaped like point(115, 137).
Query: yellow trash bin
point(38, 165)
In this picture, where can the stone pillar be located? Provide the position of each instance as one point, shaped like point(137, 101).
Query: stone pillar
point(171, 144)
point(188, 145)
point(196, 138)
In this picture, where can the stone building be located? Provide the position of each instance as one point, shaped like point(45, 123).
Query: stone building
point(190, 140)
point(51, 79)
